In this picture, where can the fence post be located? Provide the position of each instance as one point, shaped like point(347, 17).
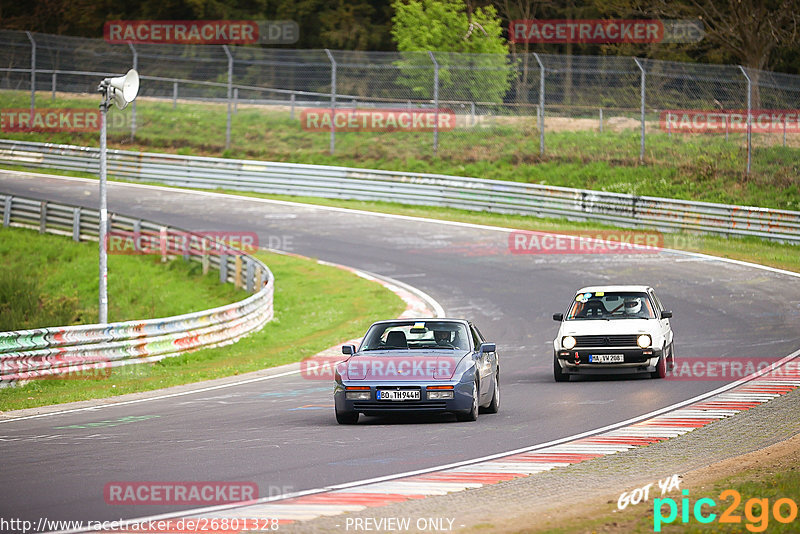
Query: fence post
point(541, 104)
point(435, 103)
point(601, 120)
point(53, 80)
point(33, 72)
point(174, 95)
point(249, 276)
point(230, 95)
point(43, 217)
point(642, 95)
point(472, 113)
point(749, 117)
point(7, 211)
point(784, 130)
point(291, 109)
point(726, 127)
point(223, 269)
point(76, 224)
point(333, 100)
point(236, 100)
point(133, 104)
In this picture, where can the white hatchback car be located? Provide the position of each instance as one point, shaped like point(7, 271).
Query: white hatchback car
point(613, 329)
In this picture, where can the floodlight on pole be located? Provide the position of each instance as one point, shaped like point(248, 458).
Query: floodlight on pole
point(122, 90)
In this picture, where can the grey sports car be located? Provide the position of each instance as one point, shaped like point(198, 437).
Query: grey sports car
point(418, 365)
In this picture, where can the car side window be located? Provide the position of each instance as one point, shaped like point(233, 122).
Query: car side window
point(659, 306)
point(477, 339)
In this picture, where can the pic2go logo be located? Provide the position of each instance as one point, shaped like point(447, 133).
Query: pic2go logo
point(756, 511)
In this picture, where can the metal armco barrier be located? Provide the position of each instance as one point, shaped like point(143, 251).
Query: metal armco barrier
point(92, 349)
point(411, 188)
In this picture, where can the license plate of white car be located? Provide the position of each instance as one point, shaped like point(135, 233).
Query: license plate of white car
point(398, 394)
point(607, 358)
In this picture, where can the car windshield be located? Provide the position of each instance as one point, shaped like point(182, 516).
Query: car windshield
point(611, 305)
point(401, 335)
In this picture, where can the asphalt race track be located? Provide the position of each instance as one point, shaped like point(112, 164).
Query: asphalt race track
point(281, 433)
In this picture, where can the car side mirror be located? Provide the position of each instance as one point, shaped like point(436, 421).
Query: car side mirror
point(488, 347)
point(348, 349)
point(666, 314)
point(558, 317)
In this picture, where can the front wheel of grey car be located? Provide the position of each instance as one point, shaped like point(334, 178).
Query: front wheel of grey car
point(471, 415)
point(346, 418)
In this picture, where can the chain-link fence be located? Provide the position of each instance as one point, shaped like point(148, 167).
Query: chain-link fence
point(463, 107)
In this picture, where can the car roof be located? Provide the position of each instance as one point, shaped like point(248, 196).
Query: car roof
point(613, 289)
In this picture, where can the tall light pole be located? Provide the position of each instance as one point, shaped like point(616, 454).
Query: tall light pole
point(121, 90)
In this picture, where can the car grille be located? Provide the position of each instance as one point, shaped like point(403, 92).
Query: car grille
point(606, 341)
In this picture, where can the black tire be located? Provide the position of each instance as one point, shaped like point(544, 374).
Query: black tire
point(671, 361)
point(661, 367)
point(346, 418)
point(494, 406)
point(558, 372)
point(471, 415)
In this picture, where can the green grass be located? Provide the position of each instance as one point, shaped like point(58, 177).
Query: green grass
point(48, 280)
point(697, 167)
point(316, 306)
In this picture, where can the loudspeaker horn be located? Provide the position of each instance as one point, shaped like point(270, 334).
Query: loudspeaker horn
point(123, 89)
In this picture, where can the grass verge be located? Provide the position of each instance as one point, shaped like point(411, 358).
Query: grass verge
point(316, 306)
point(49, 280)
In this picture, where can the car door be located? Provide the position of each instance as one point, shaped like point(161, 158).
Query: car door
point(485, 364)
point(664, 326)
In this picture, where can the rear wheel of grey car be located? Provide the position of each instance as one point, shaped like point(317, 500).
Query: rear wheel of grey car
point(494, 406)
point(558, 372)
point(471, 415)
point(346, 418)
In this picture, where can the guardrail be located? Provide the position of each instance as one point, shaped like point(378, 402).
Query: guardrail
point(92, 350)
point(412, 188)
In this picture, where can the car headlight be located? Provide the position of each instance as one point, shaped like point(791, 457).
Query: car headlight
point(568, 342)
point(644, 341)
point(357, 393)
point(440, 392)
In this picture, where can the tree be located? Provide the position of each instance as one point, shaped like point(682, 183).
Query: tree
point(752, 31)
point(482, 74)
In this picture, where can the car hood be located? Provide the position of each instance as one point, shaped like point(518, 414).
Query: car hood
point(403, 365)
point(602, 327)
